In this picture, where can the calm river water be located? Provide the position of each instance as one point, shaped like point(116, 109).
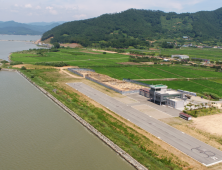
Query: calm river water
point(36, 134)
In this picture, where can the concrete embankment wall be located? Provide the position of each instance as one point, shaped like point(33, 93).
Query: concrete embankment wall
point(116, 148)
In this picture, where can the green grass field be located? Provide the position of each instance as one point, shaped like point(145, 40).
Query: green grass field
point(78, 57)
point(109, 64)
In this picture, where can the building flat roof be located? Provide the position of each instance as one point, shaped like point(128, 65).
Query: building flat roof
point(168, 92)
point(158, 86)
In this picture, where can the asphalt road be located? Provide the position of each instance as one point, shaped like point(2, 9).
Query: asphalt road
point(203, 153)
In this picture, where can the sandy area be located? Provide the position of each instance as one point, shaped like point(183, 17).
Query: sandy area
point(72, 45)
point(211, 124)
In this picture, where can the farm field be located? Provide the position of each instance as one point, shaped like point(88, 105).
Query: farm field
point(72, 57)
point(109, 64)
point(155, 72)
point(205, 53)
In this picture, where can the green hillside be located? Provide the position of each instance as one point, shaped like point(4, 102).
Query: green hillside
point(134, 27)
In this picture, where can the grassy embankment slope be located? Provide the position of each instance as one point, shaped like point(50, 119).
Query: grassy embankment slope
point(138, 146)
point(109, 64)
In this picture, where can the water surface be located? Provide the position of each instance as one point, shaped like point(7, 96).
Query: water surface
point(36, 134)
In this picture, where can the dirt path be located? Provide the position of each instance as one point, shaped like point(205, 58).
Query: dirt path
point(62, 70)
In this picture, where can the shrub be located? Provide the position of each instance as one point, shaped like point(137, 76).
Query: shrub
point(4, 61)
point(23, 68)
point(58, 64)
point(16, 63)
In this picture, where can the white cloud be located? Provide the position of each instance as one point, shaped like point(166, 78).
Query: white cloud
point(28, 6)
point(38, 7)
point(51, 10)
point(80, 16)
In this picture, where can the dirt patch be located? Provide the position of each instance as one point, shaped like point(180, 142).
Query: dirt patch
point(71, 45)
point(113, 52)
point(47, 41)
point(31, 66)
point(211, 124)
point(130, 63)
point(147, 63)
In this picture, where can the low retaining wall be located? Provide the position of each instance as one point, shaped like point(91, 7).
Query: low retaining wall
point(116, 148)
point(110, 87)
point(75, 72)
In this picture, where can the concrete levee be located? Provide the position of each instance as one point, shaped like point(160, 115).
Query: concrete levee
point(116, 148)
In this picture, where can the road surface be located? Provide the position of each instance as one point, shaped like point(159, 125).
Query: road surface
point(203, 153)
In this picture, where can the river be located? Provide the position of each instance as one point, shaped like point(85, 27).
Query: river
point(36, 134)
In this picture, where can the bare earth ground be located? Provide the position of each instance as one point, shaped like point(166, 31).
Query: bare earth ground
point(104, 51)
point(30, 66)
point(130, 63)
point(163, 148)
point(72, 45)
point(211, 124)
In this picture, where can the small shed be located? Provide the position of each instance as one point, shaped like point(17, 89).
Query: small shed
point(185, 116)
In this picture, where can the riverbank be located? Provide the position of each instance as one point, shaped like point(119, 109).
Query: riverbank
point(121, 132)
point(117, 149)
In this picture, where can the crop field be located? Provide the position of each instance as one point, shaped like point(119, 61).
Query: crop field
point(72, 57)
point(108, 64)
point(156, 72)
point(205, 53)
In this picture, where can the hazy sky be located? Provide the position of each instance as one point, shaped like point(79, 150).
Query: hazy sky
point(69, 10)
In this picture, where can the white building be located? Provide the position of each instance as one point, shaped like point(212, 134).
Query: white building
point(180, 56)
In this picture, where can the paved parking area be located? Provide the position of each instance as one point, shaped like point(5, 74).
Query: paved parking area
point(150, 111)
point(143, 100)
point(198, 150)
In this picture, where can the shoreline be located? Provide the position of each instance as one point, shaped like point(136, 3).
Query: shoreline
point(9, 57)
point(93, 130)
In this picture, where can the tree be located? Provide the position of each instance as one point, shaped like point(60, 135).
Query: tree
point(23, 68)
point(56, 45)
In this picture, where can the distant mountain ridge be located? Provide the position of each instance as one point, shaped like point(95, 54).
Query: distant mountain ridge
point(135, 26)
point(15, 28)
